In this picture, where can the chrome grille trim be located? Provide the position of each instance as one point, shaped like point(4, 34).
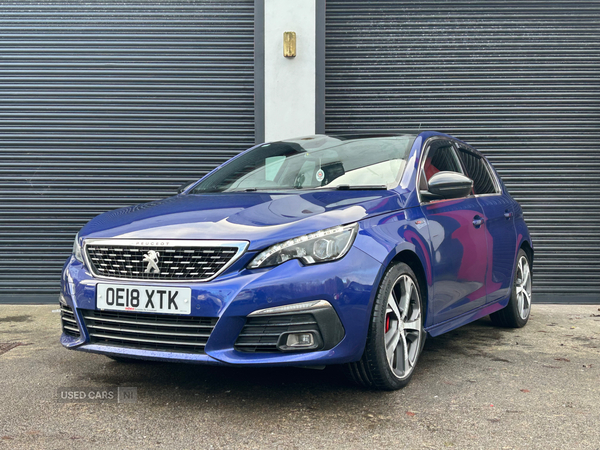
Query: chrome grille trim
point(68, 321)
point(164, 333)
point(208, 257)
point(142, 340)
point(157, 332)
point(138, 322)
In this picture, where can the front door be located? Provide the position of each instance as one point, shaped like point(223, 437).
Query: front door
point(458, 237)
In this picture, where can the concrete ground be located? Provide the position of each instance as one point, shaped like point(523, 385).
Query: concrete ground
point(476, 387)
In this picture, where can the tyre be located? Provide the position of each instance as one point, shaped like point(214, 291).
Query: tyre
point(516, 313)
point(396, 336)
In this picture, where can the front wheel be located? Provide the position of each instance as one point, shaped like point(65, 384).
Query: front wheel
point(396, 334)
point(516, 313)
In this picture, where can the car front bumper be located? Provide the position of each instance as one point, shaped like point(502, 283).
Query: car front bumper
point(347, 285)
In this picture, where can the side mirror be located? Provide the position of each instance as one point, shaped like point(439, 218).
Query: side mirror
point(447, 185)
point(185, 185)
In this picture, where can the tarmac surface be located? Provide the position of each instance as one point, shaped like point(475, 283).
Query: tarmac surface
point(476, 387)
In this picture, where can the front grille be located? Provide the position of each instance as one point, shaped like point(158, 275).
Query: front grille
point(149, 331)
point(261, 334)
point(68, 322)
point(170, 262)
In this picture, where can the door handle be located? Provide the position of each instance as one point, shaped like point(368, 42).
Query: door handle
point(477, 221)
point(508, 214)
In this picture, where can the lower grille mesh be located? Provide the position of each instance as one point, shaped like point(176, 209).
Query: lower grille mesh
point(149, 331)
point(261, 334)
point(68, 322)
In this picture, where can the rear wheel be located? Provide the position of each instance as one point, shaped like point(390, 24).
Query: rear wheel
point(396, 334)
point(516, 313)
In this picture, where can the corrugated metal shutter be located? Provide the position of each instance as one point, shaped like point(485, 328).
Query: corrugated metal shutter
point(107, 104)
point(519, 80)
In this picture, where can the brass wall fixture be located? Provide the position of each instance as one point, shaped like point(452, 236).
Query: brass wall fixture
point(289, 44)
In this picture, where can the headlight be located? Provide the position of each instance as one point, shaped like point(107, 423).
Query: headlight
point(322, 246)
point(77, 249)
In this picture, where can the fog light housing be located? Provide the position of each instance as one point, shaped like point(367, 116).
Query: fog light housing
point(300, 340)
point(297, 327)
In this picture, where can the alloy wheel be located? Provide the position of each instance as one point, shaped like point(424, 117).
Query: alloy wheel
point(403, 327)
point(523, 286)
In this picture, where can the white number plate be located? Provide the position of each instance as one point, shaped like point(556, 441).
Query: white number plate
point(123, 297)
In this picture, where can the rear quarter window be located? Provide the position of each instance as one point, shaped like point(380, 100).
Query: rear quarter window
point(478, 170)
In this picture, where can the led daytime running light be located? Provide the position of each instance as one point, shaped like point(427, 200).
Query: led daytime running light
point(294, 307)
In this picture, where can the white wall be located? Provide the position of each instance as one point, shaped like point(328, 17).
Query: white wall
point(289, 82)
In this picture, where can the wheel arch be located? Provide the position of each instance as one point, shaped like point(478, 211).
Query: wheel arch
point(400, 240)
point(412, 260)
point(527, 248)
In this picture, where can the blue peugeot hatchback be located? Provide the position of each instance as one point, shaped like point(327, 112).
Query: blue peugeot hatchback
point(307, 252)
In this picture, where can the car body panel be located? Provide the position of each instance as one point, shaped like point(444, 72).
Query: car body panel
point(391, 234)
point(467, 270)
point(501, 240)
point(459, 261)
point(232, 297)
point(261, 218)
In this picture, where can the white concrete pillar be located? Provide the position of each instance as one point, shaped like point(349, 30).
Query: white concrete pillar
point(289, 83)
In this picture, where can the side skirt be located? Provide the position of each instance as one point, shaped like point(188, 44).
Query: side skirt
point(468, 317)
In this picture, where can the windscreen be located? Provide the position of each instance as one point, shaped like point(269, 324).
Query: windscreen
point(320, 162)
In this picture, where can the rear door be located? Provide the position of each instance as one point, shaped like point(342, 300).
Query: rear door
point(499, 224)
point(459, 246)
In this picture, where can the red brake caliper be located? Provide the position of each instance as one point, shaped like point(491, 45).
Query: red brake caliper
point(387, 323)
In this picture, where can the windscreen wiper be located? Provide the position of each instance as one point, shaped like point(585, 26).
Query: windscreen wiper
point(370, 187)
